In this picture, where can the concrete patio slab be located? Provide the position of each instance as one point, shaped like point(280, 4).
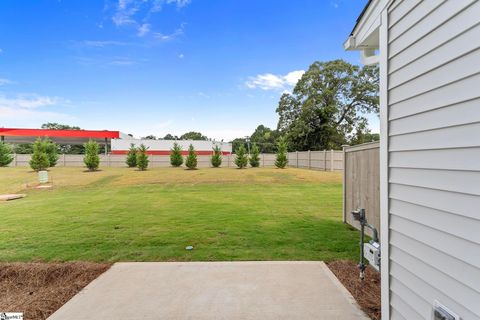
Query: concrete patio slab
point(213, 290)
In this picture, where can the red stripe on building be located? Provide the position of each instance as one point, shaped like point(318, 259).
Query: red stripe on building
point(94, 134)
point(167, 152)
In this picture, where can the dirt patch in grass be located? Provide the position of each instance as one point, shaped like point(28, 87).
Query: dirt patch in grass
point(366, 292)
point(39, 289)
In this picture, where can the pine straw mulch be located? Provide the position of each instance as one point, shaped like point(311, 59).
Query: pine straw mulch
point(39, 289)
point(366, 292)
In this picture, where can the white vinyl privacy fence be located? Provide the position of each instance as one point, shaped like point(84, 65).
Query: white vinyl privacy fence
point(326, 160)
point(329, 160)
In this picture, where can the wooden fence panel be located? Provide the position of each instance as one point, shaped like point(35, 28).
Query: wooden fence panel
point(361, 183)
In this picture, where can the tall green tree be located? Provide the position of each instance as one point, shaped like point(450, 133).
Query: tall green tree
point(255, 156)
point(39, 160)
point(237, 142)
point(265, 138)
point(241, 157)
point(176, 158)
point(191, 160)
point(281, 160)
point(51, 148)
point(91, 158)
point(216, 159)
point(132, 156)
point(64, 148)
point(23, 148)
point(142, 158)
point(58, 126)
point(150, 137)
point(193, 135)
point(328, 103)
point(169, 136)
point(6, 156)
point(363, 135)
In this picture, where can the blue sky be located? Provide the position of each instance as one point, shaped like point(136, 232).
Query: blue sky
point(162, 66)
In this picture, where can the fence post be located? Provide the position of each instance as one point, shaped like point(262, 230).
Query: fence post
point(228, 160)
point(296, 157)
point(15, 160)
point(63, 160)
point(108, 160)
point(344, 191)
point(309, 159)
point(331, 159)
point(263, 160)
point(324, 160)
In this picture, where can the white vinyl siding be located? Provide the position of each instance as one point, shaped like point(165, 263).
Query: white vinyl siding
point(434, 157)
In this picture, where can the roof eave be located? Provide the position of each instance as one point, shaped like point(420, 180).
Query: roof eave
point(366, 25)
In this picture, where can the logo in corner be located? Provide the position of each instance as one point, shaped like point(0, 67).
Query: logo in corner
point(11, 316)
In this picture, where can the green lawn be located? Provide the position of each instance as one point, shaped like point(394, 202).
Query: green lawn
point(120, 214)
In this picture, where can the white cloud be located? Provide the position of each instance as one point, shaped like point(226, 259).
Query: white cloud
point(125, 11)
point(270, 81)
point(143, 30)
point(292, 77)
point(157, 4)
point(131, 11)
point(181, 56)
point(4, 82)
point(105, 61)
point(138, 13)
point(204, 95)
point(24, 107)
point(168, 37)
point(102, 43)
point(120, 61)
point(180, 3)
point(1, 50)
point(31, 101)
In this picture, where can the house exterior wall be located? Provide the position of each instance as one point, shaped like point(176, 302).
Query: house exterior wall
point(433, 156)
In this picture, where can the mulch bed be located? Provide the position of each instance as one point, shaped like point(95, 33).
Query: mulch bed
point(39, 289)
point(366, 292)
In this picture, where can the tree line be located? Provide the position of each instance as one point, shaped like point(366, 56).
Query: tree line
point(45, 155)
point(242, 158)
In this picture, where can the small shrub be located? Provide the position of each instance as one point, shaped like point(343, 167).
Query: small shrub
point(255, 156)
point(191, 160)
point(241, 158)
point(51, 148)
point(281, 160)
point(132, 156)
point(5, 154)
point(176, 158)
point(142, 158)
point(39, 159)
point(216, 159)
point(91, 158)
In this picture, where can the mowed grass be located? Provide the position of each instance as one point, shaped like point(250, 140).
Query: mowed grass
point(120, 214)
